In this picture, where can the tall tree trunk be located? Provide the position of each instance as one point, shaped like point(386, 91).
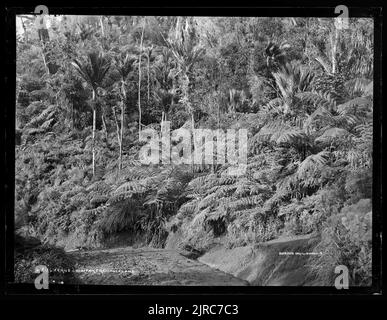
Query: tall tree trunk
point(44, 37)
point(122, 122)
point(45, 61)
point(24, 29)
point(191, 111)
point(94, 126)
point(72, 117)
point(148, 77)
point(193, 138)
point(334, 42)
point(218, 115)
point(220, 92)
point(139, 80)
point(105, 128)
point(118, 138)
point(177, 28)
point(102, 26)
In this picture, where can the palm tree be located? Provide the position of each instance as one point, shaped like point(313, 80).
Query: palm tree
point(164, 65)
point(186, 54)
point(329, 55)
point(292, 80)
point(288, 113)
point(351, 52)
point(165, 91)
point(148, 53)
point(235, 99)
point(93, 70)
point(331, 133)
point(124, 63)
point(139, 76)
point(166, 99)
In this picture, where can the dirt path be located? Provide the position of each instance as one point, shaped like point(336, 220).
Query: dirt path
point(147, 266)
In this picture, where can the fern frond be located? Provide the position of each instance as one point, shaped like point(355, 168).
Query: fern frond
point(355, 106)
point(317, 98)
point(131, 187)
point(332, 134)
point(97, 211)
point(312, 163)
point(244, 202)
point(361, 86)
point(188, 208)
point(280, 132)
point(207, 201)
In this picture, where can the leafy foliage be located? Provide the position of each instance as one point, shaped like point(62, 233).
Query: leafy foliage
point(94, 69)
point(60, 266)
point(307, 104)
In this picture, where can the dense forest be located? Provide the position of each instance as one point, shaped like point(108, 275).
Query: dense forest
point(88, 86)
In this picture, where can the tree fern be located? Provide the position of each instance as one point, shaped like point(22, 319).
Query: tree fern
point(280, 132)
point(312, 163)
point(359, 87)
point(44, 119)
point(317, 99)
point(333, 134)
point(359, 105)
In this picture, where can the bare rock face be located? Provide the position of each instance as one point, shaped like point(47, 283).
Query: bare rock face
point(280, 262)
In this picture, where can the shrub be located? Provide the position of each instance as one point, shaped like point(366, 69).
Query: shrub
point(346, 240)
point(61, 267)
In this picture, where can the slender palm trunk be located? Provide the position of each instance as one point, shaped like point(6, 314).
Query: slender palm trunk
point(122, 123)
point(44, 38)
point(94, 126)
point(118, 137)
point(191, 111)
point(148, 77)
point(334, 50)
point(72, 117)
point(102, 26)
point(105, 128)
point(193, 137)
point(25, 30)
point(45, 61)
point(139, 81)
point(218, 115)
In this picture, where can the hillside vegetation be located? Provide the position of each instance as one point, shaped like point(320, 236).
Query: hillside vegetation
point(86, 86)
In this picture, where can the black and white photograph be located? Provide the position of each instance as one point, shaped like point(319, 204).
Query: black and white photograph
point(184, 150)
